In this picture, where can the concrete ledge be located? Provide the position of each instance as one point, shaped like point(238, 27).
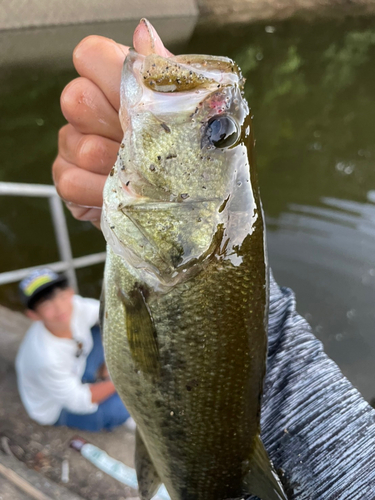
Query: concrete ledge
point(54, 45)
point(20, 14)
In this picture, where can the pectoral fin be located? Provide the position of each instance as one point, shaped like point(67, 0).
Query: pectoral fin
point(148, 479)
point(262, 479)
point(141, 332)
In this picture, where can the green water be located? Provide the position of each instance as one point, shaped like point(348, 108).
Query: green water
point(311, 87)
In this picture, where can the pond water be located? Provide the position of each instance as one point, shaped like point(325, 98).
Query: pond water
point(311, 88)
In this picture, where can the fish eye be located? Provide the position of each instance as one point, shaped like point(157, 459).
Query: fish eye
point(221, 131)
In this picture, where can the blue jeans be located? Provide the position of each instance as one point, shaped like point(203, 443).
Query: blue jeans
point(111, 412)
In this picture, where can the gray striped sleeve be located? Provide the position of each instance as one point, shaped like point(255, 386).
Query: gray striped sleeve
point(317, 428)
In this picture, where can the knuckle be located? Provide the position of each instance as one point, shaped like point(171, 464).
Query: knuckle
point(72, 95)
point(90, 151)
point(65, 183)
point(84, 45)
point(55, 171)
point(62, 134)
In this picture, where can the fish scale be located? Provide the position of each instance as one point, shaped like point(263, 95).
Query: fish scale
point(185, 284)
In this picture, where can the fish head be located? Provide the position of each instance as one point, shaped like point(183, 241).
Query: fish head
point(182, 175)
point(181, 116)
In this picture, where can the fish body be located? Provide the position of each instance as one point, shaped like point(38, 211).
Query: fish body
point(185, 287)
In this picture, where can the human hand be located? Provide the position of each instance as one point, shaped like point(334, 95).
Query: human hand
point(88, 144)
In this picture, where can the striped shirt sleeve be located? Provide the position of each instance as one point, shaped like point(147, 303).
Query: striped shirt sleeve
point(316, 427)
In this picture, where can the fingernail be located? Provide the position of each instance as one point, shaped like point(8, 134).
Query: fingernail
point(151, 31)
point(147, 41)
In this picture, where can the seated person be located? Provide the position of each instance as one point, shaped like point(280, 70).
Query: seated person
point(61, 358)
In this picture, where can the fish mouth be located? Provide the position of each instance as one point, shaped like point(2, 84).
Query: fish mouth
point(162, 85)
point(185, 73)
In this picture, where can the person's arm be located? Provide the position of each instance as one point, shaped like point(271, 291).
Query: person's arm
point(100, 391)
point(316, 427)
point(66, 388)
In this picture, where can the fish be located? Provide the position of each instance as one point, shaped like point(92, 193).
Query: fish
point(185, 289)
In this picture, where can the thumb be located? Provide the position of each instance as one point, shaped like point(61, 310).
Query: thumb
point(146, 41)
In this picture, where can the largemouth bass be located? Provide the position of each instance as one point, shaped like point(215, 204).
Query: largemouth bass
point(185, 287)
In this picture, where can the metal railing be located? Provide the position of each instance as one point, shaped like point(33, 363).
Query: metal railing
point(67, 262)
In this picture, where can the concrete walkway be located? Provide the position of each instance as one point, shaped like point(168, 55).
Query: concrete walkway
point(38, 451)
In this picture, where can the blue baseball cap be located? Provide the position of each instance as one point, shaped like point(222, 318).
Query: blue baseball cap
point(37, 282)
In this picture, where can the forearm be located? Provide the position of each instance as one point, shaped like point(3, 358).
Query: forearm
point(101, 391)
point(316, 427)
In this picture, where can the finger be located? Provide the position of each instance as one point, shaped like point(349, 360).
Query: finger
point(146, 41)
point(84, 213)
point(85, 106)
point(77, 185)
point(100, 60)
point(97, 52)
point(90, 152)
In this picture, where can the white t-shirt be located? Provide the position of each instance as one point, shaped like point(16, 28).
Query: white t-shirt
point(48, 370)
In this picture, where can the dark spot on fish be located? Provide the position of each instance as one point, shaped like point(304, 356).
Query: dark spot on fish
point(190, 385)
point(111, 173)
point(223, 205)
point(199, 219)
point(112, 227)
point(204, 187)
point(184, 196)
point(127, 183)
point(165, 127)
point(152, 167)
point(122, 145)
point(159, 158)
point(168, 157)
point(194, 113)
point(123, 167)
point(218, 86)
point(143, 289)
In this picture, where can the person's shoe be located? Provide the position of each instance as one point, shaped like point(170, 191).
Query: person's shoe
point(130, 425)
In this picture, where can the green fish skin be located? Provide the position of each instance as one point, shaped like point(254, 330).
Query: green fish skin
point(184, 308)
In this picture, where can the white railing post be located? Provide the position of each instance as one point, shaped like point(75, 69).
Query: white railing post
point(62, 237)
